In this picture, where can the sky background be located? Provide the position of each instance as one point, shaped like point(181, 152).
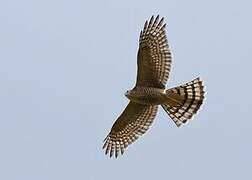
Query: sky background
point(65, 65)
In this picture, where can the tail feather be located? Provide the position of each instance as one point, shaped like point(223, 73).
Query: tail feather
point(185, 101)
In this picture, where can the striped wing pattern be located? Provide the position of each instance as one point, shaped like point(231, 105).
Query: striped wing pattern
point(154, 55)
point(193, 95)
point(132, 123)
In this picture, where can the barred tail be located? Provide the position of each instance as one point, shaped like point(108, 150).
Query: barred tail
point(185, 100)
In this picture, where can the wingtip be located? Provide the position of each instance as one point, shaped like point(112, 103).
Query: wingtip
point(105, 139)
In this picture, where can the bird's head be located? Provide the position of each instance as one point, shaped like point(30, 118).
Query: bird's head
point(127, 93)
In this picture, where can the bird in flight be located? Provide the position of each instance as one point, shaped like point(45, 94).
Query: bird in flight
point(154, 64)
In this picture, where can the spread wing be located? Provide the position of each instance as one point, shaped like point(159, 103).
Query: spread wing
point(133, 122)
point(154, 56)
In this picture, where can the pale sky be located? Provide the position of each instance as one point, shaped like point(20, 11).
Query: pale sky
point(64, 68)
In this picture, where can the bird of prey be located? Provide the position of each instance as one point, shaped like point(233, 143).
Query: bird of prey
point(154, 64)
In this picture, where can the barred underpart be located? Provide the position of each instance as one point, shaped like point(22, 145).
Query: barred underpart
point(193, 95)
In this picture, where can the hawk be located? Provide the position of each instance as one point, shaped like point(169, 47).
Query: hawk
point(154, 64)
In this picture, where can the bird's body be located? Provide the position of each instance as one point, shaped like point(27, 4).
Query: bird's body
point(154, 63)
point(147, 95)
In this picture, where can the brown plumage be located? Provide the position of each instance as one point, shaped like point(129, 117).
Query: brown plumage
point(154, 56)
point(154, 63)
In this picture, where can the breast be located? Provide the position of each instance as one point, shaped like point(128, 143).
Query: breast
point(149, 96)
